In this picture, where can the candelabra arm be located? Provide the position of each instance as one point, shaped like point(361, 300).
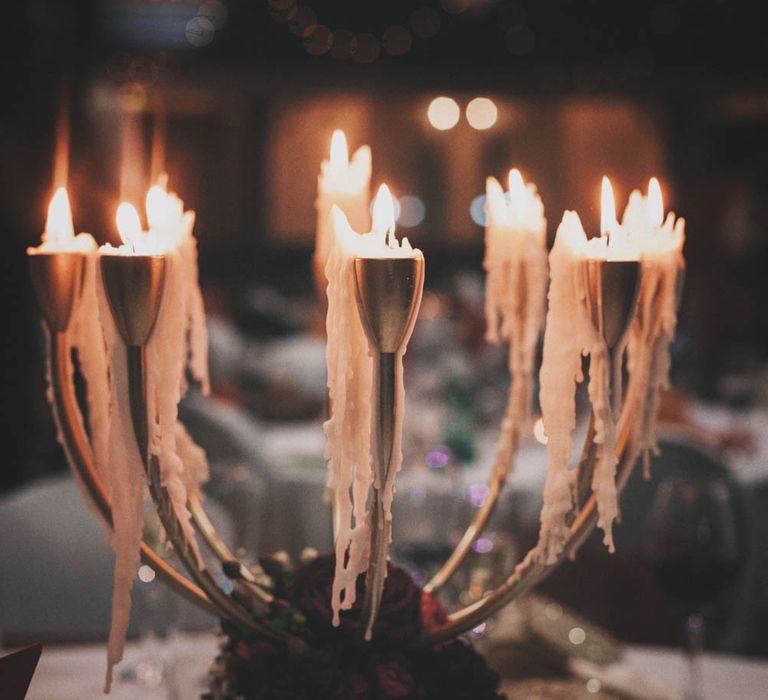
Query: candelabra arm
point(227, 606)
point(532, 569)
point(80, 458)
point(205, 528)
point(496, 482)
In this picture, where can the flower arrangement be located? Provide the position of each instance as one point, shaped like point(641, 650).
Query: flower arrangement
point(338, 663)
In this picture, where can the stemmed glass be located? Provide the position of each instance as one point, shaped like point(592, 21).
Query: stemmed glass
point(695, 548)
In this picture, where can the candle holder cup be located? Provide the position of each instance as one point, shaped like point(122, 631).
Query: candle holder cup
point(388, 294)
point(134, 287)
point(612, 288)
point(57, 279)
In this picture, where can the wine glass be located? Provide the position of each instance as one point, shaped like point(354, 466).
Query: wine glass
point(695, 550)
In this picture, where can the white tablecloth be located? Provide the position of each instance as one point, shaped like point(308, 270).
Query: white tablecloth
point(77, 672)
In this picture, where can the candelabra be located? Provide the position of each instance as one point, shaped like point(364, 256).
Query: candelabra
point(387, 303)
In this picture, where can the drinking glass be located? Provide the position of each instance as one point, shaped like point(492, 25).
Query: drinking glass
point(694, 547)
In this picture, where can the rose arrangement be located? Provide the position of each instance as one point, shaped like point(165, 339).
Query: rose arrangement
point(341, 666)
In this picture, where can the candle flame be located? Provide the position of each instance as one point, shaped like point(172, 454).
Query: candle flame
point(608, 222)
point(383, 212)
point(516, 190)
point(156, 205)
point(58, 225)
point(495, 202)
point(128, 224)
point(339, 150)
point(655, 203)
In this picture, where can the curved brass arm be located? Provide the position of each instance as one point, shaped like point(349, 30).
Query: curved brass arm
point(206, 529)
point(482, 515)
point(531, 570)
point(230, 608)
point(78, 452)
point(475, 528)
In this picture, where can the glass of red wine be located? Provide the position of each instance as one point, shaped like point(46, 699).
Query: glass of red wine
point(695, 548)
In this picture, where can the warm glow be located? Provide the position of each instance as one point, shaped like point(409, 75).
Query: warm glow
point(538, 431)
point(156, 206)
point(443, 113)
point(58, 225)
point(383, 212)
point(128, 224)
point(339, 150)
point(608, 223)
point(482, 113)
point(517, 193)
point(655, 203)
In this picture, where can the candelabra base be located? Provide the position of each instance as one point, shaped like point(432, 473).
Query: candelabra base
point(340, 664)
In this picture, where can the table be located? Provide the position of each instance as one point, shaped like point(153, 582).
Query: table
point(77, 672)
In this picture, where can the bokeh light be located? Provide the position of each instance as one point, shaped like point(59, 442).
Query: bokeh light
point(482, 113)
point(443, 113)
point(319, 41)
point(477, 210)
point(146, 573)
point(396, 40)
point(367, 48)
point(199, 31)
point(412, 210)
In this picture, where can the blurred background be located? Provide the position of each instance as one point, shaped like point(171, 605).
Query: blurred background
point(237, 100)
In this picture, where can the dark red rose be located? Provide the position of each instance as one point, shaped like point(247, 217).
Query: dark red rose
point(432, 612)
point(399, 618)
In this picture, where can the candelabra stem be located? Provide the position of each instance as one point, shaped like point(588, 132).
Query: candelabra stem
point(384, 421)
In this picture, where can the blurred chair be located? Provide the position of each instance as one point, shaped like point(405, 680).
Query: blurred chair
point(56, 577)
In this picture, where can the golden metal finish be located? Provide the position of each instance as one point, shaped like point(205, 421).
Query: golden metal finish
point(80, 458)
point(612, 288)
point(388, 293)
point(227, 606)
point(57, 279)
point(531, 569)
point(134, 286)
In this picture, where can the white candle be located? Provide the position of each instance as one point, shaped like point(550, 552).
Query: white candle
point(345, 183)
point(570, 334)
point(648, 360)
point(515, 295)
point(350, 366)
point(177, 341)
point(84, 332)
point(565, 336)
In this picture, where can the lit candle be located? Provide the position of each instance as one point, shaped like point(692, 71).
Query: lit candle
point(515, 295)
point(345, 183)
point(648, 360)
point(350, 384)
point(571, 333)
point(178, 335)
point(84, 332)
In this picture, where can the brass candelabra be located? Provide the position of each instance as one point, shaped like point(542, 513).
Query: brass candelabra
point(388, 300)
